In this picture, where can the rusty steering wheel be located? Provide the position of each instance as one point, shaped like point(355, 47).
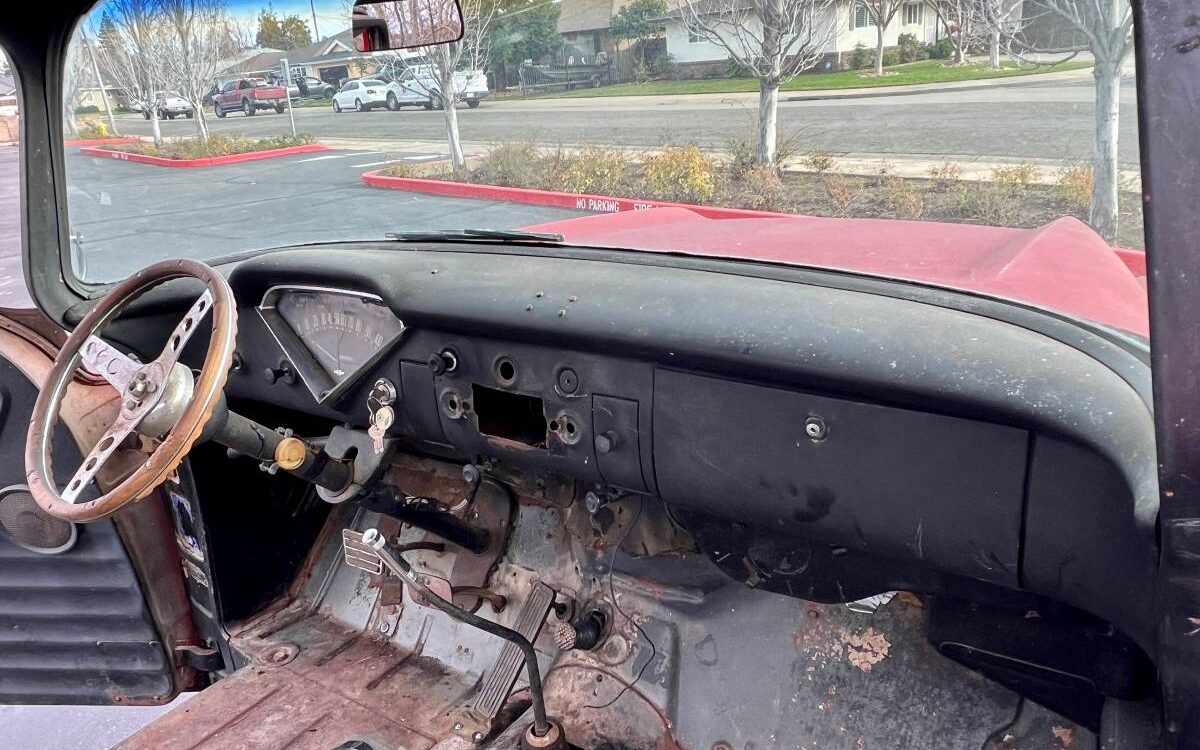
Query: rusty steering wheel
point(160, 399)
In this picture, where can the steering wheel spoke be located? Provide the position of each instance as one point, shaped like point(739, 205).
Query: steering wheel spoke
point(184, 330)
point(108, 362)
point(105, 446)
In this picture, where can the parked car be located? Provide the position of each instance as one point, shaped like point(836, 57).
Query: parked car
point(361, 95)
point(170, 105)
point(313, 88)
point(249, 95)
point(418, 86)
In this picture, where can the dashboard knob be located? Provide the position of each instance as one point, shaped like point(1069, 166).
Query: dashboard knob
point(284, 372)
point(443, 362)
point(605, 442)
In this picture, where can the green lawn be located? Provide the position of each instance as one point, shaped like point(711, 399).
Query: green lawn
point(926, 71)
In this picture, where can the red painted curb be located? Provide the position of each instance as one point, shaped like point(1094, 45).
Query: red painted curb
point(210, 161)
point(597, 203)
point(99, 141)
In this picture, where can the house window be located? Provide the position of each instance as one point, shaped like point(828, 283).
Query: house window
point(913, 14)
point(695, 37)
point(862, 19)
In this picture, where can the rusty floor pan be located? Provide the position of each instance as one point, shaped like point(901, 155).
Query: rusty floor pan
point(313, 686)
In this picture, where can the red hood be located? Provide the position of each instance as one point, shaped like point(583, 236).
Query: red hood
point(1064, 265)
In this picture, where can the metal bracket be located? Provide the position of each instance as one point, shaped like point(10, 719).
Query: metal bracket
point(201, 658)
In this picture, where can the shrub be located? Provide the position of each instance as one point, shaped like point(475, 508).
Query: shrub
point(1076, 182)
point(842, 192)
point(819, 161)
point(402, 169)
point(760, 188)
point(1018, 175)
point(861, 57)
point(681, 174)
point(910, 48)
point(903, 199)
point(597, 170)
point(996, 204)
point(890, 57)
point(216, 145)
point(943, 49)
point(945, 175)
point(734, 69)
point(512, 164)
point(740, 153)
point(87, 109)
point(91, 129)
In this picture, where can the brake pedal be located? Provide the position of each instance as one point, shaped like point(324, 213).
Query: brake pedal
point(475, 718)
point(359, 555)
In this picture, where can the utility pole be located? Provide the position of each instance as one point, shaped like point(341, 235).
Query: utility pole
point(112, 120)
point(313, 8)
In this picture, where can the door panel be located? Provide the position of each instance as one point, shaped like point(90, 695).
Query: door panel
point(74, 626)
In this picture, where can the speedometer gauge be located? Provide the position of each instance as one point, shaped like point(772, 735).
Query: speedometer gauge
point(331, 336)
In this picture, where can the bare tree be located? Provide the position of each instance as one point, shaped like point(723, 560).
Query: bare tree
point(772, 39)
point(1000, 21)
point(446, 60)
point(201, 35)
point(881, 13)
point(1106, 28)
point(132, 53)
point(957, 18)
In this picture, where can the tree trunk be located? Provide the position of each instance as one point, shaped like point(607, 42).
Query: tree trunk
point(452, 140)
point(994, 50)
point(878, 49)
point(1104, 214)
point(768, 121)
point(201, 124)
point(154, 124)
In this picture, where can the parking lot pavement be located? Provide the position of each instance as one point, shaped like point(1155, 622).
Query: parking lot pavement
point(127, 215)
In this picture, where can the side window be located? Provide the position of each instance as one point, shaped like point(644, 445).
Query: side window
point(228, 87)
point(12, 280)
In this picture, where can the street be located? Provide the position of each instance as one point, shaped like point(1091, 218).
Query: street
point(1029, 120)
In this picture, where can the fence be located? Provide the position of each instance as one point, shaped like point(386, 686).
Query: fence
point(10, 128)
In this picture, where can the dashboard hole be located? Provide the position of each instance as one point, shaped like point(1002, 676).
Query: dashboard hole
point(511, 416)
point(506, 371)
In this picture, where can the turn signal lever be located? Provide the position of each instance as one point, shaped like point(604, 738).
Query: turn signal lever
point(277, 450)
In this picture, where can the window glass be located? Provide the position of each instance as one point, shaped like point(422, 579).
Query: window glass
point(13, 292)
point(948, 149)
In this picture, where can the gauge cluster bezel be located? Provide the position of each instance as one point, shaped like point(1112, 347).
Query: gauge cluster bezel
point(318, 382)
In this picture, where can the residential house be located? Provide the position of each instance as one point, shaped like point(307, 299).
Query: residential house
point(696, 56)
point(583, 25)
point(332, 59)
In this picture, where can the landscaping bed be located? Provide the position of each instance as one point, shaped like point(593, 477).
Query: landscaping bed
point(925, 71)
point(1015, 196)
point(218, 149)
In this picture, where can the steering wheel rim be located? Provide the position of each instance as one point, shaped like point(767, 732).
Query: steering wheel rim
point(142, 388)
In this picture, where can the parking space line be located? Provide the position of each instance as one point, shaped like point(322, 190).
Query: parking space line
point(333, 156)
point(386, 161)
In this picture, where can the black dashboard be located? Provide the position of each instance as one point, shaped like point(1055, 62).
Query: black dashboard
point(923, 427)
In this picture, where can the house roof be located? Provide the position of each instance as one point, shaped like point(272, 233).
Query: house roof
point(704, 7)
point(584, 15)
point(336, 47)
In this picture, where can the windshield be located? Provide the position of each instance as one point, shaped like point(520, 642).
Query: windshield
point(979, 145)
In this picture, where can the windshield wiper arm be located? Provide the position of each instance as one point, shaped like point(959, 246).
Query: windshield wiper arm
point(477, 235)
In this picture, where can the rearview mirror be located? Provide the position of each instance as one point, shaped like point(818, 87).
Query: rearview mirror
point(404, 24)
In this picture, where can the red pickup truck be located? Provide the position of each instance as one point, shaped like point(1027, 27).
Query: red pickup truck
point(249, 95)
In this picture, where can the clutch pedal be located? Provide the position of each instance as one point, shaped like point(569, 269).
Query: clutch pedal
point(474, 719)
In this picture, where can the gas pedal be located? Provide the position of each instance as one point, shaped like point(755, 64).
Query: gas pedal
point(474, 719)
point(359, 555)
